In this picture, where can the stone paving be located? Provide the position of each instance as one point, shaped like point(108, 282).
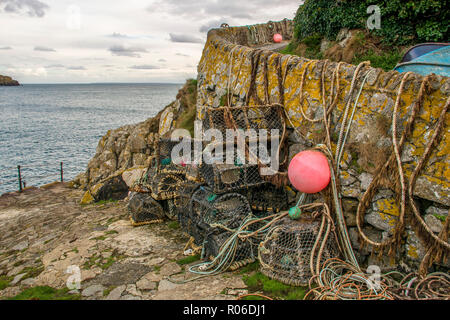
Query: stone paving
point(46, 237)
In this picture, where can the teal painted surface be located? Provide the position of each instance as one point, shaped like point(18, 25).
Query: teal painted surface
point(437, 61)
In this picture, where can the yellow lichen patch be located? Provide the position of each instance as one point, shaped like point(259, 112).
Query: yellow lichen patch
point(87, 198)
point(387, 206)
point(412, 252)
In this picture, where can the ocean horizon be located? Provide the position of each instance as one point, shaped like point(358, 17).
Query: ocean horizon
point(45, 124)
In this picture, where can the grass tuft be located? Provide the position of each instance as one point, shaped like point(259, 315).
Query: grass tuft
point(45, 293)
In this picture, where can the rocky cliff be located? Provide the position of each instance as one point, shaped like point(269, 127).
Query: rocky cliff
point(132, 145)
point(8, 81)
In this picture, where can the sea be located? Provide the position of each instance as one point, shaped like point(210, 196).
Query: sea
point(43, 125)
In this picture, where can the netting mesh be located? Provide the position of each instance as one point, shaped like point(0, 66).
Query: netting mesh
point(162, 160)
point(143, 209)
point(245, 117)
point(165, 186)
point(224, 177)
point(242, 255)
point(285, 252)
point(212, 213)
point(267, 198)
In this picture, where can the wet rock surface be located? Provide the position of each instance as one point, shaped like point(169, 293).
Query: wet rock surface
point(46, 236)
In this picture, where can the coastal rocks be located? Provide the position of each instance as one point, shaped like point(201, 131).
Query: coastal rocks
point(132, 146)
point(133, 175)
point(94, 290)
point(8, 81)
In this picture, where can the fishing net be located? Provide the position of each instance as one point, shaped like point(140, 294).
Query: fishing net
point(224, 177)
point(264, 125)
point(285, 253)
point(266, 117)
point(193, 174)
point(181, 205)
point(161, 163)
point(212, 213)
point(143, 209)
point(165, 186)
point(267, 198)
point(243, 253)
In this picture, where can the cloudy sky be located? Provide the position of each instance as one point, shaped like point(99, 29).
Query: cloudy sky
point(50, 41)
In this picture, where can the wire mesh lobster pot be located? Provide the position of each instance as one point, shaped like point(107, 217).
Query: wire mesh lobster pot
point(245, 252)
point(162, 159)
point(285, 252)
point(211, 213)
point(224, 177)
point(143, 209)
point(267, 198)
point(268, 117)
point(165, 186)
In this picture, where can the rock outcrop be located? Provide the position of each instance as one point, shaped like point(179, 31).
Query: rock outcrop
point(130, 147)
point(8, 81)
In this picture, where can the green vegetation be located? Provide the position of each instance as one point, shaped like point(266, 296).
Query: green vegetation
point(402, 22)
point(440, 217)
point(174, 225)
point(32, 272)
point(188, 260)
point(45, 293)
point(386, 60)
point(99, 261)
point(188, 101)
point(272, 288)
point(4, 282)
point(101, 202)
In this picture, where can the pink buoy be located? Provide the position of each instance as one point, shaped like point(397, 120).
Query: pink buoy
point(309, 171)
point(277, 38)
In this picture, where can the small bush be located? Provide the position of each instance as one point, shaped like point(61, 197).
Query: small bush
point(402, 22)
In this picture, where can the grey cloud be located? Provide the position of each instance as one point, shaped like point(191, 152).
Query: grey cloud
point(232, 8)
point(212, 24)
point(182, 54)
point(118, 35)
point(55, 66)
point(145, 67)
point(46, 49)
point(162, 60)
point(184, 38)
point(76, 68)
point(33, 8)
point(5, 48)
point(119, 50)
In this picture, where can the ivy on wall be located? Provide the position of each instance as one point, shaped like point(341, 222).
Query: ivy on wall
point(402, 22)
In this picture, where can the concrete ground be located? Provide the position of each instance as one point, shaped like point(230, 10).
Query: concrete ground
point(48, 239)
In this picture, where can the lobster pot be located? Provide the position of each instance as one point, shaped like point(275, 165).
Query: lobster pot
point(285, 252)
point(162, 160)
point(210, 211)
point(165, 186)
point(224, 177)
point(268, 198)
point(268, 117)
point(143, 209)
point(244, 253)
point(181, 209)
point(193, 174)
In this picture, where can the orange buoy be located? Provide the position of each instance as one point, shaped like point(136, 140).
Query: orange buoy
point(309, 171)
point(277, 38)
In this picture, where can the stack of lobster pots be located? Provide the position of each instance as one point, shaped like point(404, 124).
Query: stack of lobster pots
point(215, 195)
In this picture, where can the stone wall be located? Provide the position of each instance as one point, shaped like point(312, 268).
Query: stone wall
point(232, 54)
